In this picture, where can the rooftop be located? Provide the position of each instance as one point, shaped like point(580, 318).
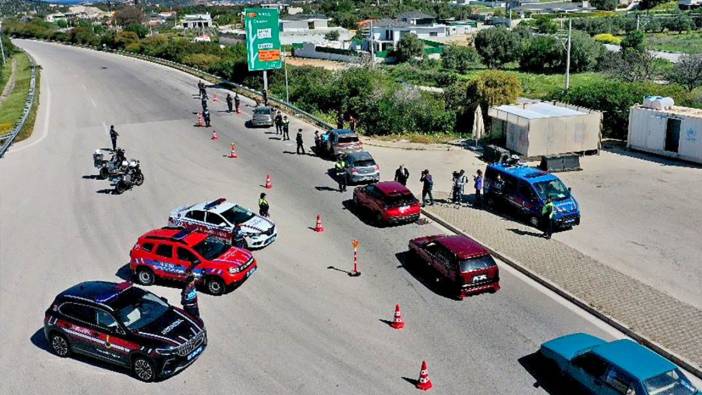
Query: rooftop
point(464, 247)
point(390, 23)
point(97, 291)
point(538, 110)
point(414, 15)
point(554, 7)
point(676, 110)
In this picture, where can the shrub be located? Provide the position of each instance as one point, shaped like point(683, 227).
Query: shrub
point(541, 53)
point(497, 46)
point(494, 88)
point(607, 38)
point(457, 58)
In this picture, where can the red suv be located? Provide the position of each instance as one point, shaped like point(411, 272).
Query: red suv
point(167, 253)
point(464, 264)
point(388, 202)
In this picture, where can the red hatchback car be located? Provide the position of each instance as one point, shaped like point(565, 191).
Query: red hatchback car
point(167, 253)
point(464, 264)
point(388, 202)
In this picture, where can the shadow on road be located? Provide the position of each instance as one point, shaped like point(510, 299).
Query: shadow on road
point(39, 340)
point(525, 232)
point(547, 376)
point(414, 382)
point(325, 188)
point(91, 177)
point(339, 270)
point(106, 191)
point(423, 274)
point(125, 273)
point(361, 214)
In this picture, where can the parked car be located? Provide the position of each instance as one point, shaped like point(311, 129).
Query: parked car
point(464, 265)
point(388, 202)
point(340, 141)
point(125, 326)
point(219, 217)
point(524, 191)
point(168, 253)
point(262, 117)
point(618, 367)
point(361, 167)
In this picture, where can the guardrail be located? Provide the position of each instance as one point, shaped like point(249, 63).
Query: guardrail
point(6, 140)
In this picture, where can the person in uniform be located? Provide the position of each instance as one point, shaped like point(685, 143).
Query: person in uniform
point(238, 237)
point(263, 205)
point(548, 212)
point(113, 137)
point(188, 296)
point(230, 102)
point(286, 128)
point(237, 101)
point(340, 167)
point(300, 143)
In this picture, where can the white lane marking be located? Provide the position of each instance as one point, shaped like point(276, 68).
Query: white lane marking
point(44, 127)
point(92, 101)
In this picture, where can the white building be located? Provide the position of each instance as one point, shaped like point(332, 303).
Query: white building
point(668, 130)
point(387, 33)
point(51, 18)
point(298, 29)
point(196, 21)
point(689, 3)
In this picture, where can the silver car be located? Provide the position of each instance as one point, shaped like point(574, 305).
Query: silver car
point(361, 167)
point(262, 117)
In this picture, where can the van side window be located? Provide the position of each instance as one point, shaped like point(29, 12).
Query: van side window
point(510, 187)
point(165, 250)
point(526, 191)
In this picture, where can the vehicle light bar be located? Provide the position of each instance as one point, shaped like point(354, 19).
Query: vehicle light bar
point(214, 203)
point(182, 234)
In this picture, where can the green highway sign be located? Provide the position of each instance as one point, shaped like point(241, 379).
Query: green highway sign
point(262, 39)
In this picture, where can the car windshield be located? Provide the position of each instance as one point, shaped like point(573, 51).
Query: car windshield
point(349, 139)
point(142, 311)
point(237, 215)
point(262, 111)
point(364, 163)
point(671, 383)
point(400, 200)
point(211, 248)
point(480, 263)
point(553, 189)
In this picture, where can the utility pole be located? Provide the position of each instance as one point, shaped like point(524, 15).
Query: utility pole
point(372, 50)
point(567, 76)
point(638, 17)
point(2, 48)
point(265, 80)
point(287, 91)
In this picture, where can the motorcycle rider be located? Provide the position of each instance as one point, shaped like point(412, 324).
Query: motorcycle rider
point(238, 237)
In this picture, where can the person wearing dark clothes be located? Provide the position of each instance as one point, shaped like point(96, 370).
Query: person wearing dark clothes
point(340, 167)
point(278, 122)
point(113, 137)
point(201, 89)
point(352, 123)
point(188, 296)
point(317, 141)
point(230, 102)
point(548, 212)
point(263, 205)
point(206, 115)
point(265, 97)
point(340, 122)
point(454, 187)
point(402, 175)
point(286, 128)
point(237, 101)
point(478, 178)
point(204, 104)
point(300, 144)
point(427, 186)
point(238, 237)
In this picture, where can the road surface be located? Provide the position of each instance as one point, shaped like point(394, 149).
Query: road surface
point(296, 325)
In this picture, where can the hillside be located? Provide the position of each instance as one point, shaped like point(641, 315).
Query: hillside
point(13, 7)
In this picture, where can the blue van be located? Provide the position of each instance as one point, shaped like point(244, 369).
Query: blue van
point(524, 190)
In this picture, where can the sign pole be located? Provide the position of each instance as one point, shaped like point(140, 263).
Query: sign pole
point(355, 244)
point(265, 80)
point(287, 91)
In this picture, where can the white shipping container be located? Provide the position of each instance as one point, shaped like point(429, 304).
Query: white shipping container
point(675, 132)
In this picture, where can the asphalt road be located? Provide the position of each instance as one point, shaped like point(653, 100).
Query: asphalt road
point(295, 326)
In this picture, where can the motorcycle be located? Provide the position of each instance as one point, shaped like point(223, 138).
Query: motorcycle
point(132, 176)
point(110, 168)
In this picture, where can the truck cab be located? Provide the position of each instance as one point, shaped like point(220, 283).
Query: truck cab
point(524, 191)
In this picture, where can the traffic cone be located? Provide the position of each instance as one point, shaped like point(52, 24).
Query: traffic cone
point(397, 322)
point(214, 136)
point(232, 152)
point(200, 120)
point(318, 227)
point(269, 183)
point(424, 383)
point(215, 99)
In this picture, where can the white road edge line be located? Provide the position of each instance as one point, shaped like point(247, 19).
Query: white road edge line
point(45, 125)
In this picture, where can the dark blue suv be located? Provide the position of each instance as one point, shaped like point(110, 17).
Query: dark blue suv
point(524, 191)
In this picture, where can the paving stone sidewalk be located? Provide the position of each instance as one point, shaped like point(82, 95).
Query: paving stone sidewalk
point(653, 315)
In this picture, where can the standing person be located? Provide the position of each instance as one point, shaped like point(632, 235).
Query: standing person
point(352, 123)
point(206, 115)
point(278, 122)
point(263, 206)
point(265, 97)
point(340, 121)
point(462, 181)
point(340, 167)
point(300, 143)
point(427, 186)
point(113, 137)
point(454, 187)
point(229, 102)
point(317, 141)
point(478, 185)
point(201, 88)
point(548, 212)
point(204, 104)
point(402, 175)
point(238, 240)
point(188, 296)
point(286, 128)
point(237, 101)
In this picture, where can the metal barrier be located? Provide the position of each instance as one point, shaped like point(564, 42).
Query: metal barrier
point(6, 140)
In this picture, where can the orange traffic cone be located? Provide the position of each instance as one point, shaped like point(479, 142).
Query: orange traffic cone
point(232, 152)
point(269, 183)
point(214, 136)
point(215, 99)
point(397, 322)
point(200, 120)
point(424, 383)
point(318, 227)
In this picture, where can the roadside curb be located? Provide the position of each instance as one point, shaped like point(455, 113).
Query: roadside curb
point(678, 360)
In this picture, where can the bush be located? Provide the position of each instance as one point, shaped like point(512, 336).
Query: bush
point(494, 88)
point(409, 47)
point(541, 53)
point(459, 59)
point(497, 46)
point(607, 38)
point(585, 53)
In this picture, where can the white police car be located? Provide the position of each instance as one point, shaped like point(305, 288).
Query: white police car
point(219, 217)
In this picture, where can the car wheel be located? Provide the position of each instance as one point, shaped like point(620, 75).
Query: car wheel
point(215, 286)
point(144, 369)
point(534, 221)
point(145, 276)
point(59, 345)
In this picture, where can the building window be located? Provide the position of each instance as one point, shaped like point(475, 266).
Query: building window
point(310, 25)
point(433, 34)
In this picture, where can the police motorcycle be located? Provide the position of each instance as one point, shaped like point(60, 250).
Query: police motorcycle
point(112, 167)
point(131, 177)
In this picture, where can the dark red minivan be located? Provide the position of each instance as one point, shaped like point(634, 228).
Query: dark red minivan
point(462, 262)
point(389, 202)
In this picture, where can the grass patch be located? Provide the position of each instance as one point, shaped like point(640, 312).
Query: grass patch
point(5, 73)
point(29, 125)
point(690, 42)
point(421, 138)
point(539, 86)
point(670, 6)
point(11, 109)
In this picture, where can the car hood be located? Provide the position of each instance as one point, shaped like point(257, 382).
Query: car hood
point(568, 205)
point(570, 346)
point(173, 328)
point(256, 224)
point(234, 256)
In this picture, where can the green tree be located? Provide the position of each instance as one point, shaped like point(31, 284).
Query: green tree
point(541, 53)
point(494, 88)
point(607, 5)
point(128, 16)
point(123, 39)
point(62, 23)
point(681, 22)
point(137, 28)
point(332, 35)
point(459, 58)
point(648, 4)
point(545, 25)
point(653, 25)
point(631, 65)
point(409, 47)
point(585, 52)
point(635, 41)
point(688, 71)
point(497, 46)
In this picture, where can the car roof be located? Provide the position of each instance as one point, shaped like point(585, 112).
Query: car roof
point(360, 155)
point(215, 206)
point(391, 188)
point(633, 358)
point(572, 345)
point(188, 237)
point(102, 292)
point(462, 246)
point(343, 132)
point(530, 174)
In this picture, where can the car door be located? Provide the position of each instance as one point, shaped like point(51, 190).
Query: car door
point(444, 262)
point(511, 191)
point(187, 260)
point(218, 226)
point(78, 329)
point(114, 345)
point(166, 267)
point(616, 382)
point(195, 219)
point(526, 197)
point(589, 370)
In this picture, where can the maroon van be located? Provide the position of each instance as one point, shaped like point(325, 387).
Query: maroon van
point(462, 262)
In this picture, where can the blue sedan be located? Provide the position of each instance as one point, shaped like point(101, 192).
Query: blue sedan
point(620, 367)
